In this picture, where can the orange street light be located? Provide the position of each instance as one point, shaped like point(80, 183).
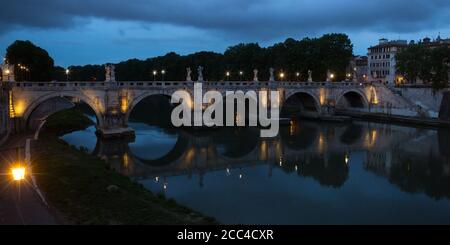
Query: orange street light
point(18, 173)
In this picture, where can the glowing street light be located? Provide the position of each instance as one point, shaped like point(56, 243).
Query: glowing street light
point(297, 75)
point(18, 173)
point(154, 75)
point(67, 74)
point(282, 75)
point(349, 75)
point(163, 72)
point(332, 76)
point(7, 72)
point(240, 74)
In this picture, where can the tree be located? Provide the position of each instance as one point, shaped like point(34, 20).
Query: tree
point(244, 57)
point(411, 61)
point(430, 65)
point(336, 50)
point(86, 73)
point(440, 58)
point(329, 52)
point(30, 61)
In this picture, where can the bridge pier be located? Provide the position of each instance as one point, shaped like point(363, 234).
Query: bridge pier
point(114, 126)
point(112, 133)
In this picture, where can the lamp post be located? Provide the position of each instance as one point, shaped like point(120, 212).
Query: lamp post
point(67, 75)
point(163, 72)
point(332, 76)
point(297, 75)
point(282, 76)
point(227, 75)
point(349, 75)
point(240, 75)
point(154, 75)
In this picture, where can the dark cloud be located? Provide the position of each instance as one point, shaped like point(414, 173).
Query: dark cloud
point(262, 19)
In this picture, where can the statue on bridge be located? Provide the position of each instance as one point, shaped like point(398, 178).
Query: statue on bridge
point(188, 74)
point(310, 76)
point(110, 75)
point(255, 75)
point(272, 77)
point(355, 76)
point(200, 73)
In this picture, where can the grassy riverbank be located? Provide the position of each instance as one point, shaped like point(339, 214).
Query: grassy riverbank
point(85, 190)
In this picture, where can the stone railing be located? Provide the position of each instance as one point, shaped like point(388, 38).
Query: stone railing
point(177, 84)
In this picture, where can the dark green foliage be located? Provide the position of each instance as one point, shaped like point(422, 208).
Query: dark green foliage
point(35, 59)
point(329, 52)
point(67, 121)
point(421, 62)
point(87, 73)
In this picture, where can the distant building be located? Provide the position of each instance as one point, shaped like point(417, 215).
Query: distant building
point(382, 58)
point(382, 62)
point(438, 42)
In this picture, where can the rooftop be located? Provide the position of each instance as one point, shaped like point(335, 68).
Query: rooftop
point(386, 43)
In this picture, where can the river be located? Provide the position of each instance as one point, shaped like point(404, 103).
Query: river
point(311, 173)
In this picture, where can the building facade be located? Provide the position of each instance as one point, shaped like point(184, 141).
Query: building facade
point(382, 61)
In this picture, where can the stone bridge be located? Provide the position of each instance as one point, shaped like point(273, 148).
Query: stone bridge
point(113, 101)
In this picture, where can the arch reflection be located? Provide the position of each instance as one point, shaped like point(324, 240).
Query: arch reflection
point(324, 153)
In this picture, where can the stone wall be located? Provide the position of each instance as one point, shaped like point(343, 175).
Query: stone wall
point(425, 98)
point(4, 115)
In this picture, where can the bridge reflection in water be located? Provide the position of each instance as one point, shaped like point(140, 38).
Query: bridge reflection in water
point(310, 173)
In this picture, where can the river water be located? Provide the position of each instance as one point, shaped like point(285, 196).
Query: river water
point(311, 173)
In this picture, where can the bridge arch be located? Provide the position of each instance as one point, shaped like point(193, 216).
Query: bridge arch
point(172, 156)
point(301, 102)
point(352, 99)
point(96, 108)
point(135, 101)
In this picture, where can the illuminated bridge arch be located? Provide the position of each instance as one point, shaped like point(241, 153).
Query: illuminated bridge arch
point(299, 103)
point(135, 101)
point(95, 106)
point(352, 99)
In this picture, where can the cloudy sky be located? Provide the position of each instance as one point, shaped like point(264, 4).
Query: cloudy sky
point(100, 31)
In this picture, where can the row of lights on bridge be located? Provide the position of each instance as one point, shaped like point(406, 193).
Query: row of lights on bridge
point(281, 75)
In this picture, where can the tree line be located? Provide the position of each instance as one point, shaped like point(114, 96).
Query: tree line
point(292, 57)
point(431, 65)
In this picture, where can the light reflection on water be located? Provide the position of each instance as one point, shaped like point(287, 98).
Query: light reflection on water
point(361, 173)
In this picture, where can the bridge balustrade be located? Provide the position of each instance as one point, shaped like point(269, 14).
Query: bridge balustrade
point(178, 84)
